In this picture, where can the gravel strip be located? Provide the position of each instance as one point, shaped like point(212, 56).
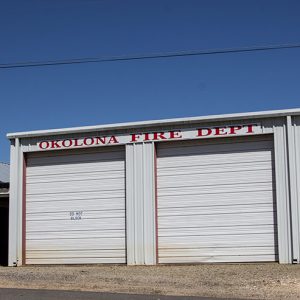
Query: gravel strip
point(248, 281)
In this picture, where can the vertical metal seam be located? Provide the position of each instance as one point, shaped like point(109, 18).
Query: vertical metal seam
point(19, 201)
point(297, 191)
point(153, 206)
point(156, 202)
point(135, 205)
point(24, 211)
point(127, 205)
point(145, 223)
point(287, 193)
point(147, 204)
point(16, 199)
point(297, 162)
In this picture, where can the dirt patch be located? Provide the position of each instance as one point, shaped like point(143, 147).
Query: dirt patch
point(249, 281)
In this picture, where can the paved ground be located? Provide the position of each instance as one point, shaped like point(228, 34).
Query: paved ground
point(23, 294)
point(244, 281)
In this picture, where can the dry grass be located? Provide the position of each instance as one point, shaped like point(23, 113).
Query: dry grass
point(251, 281)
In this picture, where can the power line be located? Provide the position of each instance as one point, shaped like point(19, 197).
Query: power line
point(30, 64)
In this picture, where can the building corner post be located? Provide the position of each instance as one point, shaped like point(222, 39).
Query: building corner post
point(293, 188)
point(15, 205)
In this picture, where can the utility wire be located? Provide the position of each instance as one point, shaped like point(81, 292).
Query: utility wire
point(30, 64)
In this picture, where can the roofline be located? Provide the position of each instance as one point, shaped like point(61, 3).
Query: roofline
point(143, 124)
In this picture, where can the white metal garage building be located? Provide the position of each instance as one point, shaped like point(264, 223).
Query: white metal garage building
point(220, 188)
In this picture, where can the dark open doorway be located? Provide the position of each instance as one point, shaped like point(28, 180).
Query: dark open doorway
point(4, 212)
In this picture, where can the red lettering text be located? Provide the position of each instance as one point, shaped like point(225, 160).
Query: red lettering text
point(175, 134)
point(76, 144)
point(54, 145)
point(134, 137)
point(207, 132)
point(44, 145)
point(233, 129)
point(250, 129)
point(113, 140)
point(67, 143)
point(220, 131)
point(159, 135)
point(100, 140)
point(88, 141)
point(146, 136)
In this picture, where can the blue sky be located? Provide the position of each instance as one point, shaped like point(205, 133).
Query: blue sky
point(90, 94)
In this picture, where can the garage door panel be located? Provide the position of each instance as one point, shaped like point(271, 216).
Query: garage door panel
point(73, 186)
point(219, 189)
point(216, 230)
point(74, 244)
point(86, 214)
point(203, 251)
point(210, 160)
point(71, 196)
point(96, 253)
point(175, 200)
point(68, 224)
point(76, 260)
point(84, 176)
point(216, 210)
point(219, 240)
point(78, 168)
point(224, 178)
point(75, 207)
point(67, 234)
point(216, 201)
point(219, 259)
point(215, 220)
point(213, 168)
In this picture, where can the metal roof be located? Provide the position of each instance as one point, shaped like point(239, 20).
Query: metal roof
point(4, 172)
point(143, 124)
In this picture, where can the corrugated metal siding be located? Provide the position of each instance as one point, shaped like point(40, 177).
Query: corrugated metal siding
point(216, 201)
point(65, 183)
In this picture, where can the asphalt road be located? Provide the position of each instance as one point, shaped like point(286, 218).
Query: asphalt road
point(24, 294)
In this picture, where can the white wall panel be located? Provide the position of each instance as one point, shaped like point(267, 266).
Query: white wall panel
point(282, 192)
point(140, 198)
point(15, 204)
point(216, 201)
point(90, 184)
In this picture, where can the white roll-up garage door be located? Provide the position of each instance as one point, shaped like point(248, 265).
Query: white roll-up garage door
point(75, 207)
point(216, 201)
